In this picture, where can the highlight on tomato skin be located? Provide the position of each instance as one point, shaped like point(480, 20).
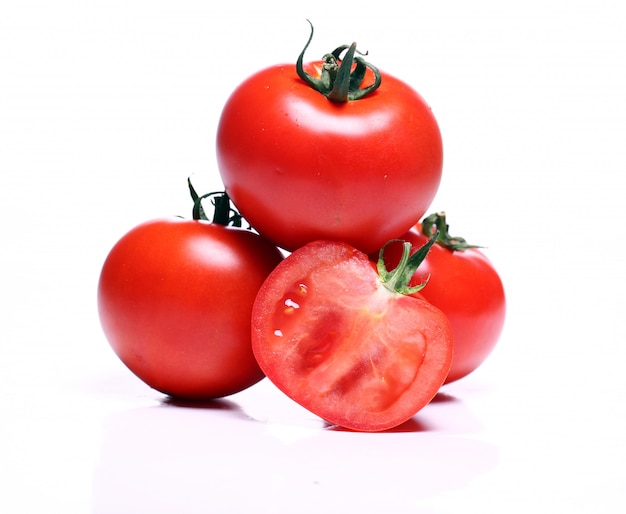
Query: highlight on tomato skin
point(330, 335)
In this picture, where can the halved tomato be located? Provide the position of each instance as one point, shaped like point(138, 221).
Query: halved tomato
point(344, 342)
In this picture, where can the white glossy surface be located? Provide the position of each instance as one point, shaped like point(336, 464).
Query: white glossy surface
point(107, 107)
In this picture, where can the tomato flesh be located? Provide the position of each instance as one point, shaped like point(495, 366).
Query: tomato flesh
point(334, 339)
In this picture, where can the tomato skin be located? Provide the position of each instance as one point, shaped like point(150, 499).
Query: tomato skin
point(300, 167)
point(329, 335)
point(468, 289)
point(174, 300)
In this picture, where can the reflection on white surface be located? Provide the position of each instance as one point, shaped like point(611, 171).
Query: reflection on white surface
point(217, 456)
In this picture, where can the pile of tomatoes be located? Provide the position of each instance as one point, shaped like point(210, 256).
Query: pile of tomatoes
point(340, 291)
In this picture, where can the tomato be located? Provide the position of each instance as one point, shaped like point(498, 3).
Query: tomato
point(338, 339)
point(465, 285)
point(302, 167)
point(174, 299)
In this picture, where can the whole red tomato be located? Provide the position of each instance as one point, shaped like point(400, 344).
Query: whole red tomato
point(174, 300)
point(465, 285)
point(306, 153)
point(351, 345)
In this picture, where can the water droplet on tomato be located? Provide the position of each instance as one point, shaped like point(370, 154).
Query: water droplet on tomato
point(291, 304)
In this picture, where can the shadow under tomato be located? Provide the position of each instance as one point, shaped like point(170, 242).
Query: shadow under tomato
point(414, 424)
point(444, 398)
point(214, 404)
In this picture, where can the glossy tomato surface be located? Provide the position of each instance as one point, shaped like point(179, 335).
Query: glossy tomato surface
point(300, 167)
point(174, 300)
point(465, 285)
point(334, 339)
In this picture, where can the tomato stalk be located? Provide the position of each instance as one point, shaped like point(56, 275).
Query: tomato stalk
point(397, 280)
point(223, 213)
point(436, 222)
point(341, 78)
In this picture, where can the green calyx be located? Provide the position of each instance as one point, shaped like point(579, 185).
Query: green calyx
point(397, 280)
point(436, 222)
point(341, 79)
point(223, 213)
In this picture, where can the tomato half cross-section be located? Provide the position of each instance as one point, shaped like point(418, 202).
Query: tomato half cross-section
point(465, 285)
point(333, 149)
point(174, 299)
point(338, 338)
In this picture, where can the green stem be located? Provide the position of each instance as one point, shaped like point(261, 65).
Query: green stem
point(436, 222)
point(397, 280)
point(223, 213)
point(341, 79)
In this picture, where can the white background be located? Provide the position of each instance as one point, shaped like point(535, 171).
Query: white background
point(106, 107)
